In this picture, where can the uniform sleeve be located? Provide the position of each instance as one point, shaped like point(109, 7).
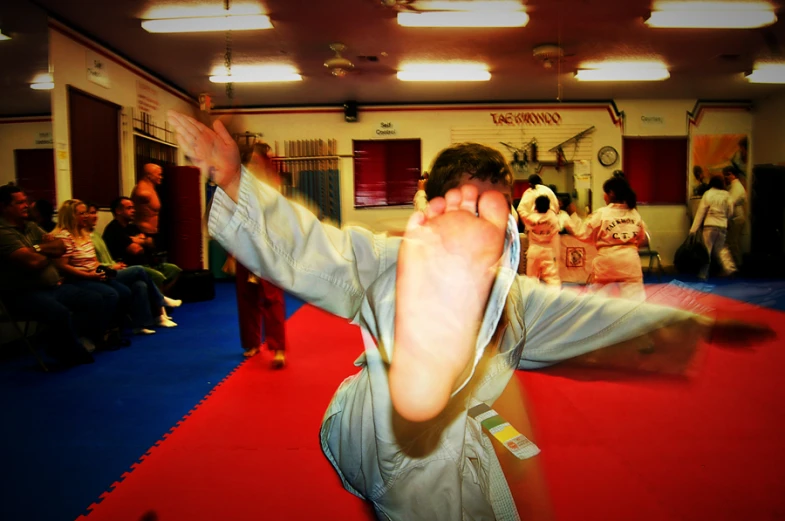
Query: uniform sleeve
point(286, 244)
point(585, 230)
point(563, 325)
point(700, 214)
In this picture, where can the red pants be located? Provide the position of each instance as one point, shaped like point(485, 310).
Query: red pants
point(257, 303)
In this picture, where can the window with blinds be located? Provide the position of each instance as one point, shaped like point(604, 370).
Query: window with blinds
point(386, 172)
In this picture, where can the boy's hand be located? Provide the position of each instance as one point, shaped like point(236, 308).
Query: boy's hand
point(214, 151)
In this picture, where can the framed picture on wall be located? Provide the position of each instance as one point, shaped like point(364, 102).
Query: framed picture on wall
point(711, 153)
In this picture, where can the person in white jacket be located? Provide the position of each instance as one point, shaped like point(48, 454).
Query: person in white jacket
point(535, 190)
point(713, 214)
point(542, 229)
point(617, 230)
point(444, 319)
point(738, 196)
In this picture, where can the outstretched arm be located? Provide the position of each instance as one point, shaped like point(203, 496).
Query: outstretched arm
point(277, 239)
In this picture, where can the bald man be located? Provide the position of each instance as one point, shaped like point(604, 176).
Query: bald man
point(146, 200)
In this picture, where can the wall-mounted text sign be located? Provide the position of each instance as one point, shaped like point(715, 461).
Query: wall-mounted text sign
point(526, 118)
point(386, 129)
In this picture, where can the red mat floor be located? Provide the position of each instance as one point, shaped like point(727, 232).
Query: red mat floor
point(615, 446)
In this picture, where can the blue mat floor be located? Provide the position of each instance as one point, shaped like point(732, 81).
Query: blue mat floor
point(68, 435)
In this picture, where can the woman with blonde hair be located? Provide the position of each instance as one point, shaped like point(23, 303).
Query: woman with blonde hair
point(80, 264)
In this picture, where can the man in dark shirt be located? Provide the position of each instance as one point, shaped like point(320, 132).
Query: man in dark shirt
point(127, 243)
point(30, 284)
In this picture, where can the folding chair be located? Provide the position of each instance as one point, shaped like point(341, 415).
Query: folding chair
point(6, 317)
point(647, 251)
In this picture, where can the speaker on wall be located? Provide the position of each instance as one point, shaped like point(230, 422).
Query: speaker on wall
point(350, 111)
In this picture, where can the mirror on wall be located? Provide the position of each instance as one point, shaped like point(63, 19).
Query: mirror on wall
point(26, 144)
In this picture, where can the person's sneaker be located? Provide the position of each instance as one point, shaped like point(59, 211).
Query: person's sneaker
point(88, 344)
point(251, 352)
point(279, 360)
point(172, 303)
point(143, 331)
point(164, 321)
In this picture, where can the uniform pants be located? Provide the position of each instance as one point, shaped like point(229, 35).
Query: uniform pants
point(260, 303)
point(714, 240)
point(541, 263)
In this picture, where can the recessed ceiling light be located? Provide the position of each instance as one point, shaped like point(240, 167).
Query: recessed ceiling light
point(42, 81)
point(767, 73)
point(444, 72)
point(42, 86)
point(623, 71)
point(256, 74)
point(712, 15)
point(206, 24)
point(464, 19)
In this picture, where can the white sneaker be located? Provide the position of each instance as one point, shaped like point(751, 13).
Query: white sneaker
point(172, 303)
point(165, 322)
point(143, 331)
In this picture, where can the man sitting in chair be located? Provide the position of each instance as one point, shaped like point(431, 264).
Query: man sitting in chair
point(30, 285)
point(127, 243)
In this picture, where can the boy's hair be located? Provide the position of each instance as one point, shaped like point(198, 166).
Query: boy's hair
point(479, 161)
point(717, 181)
point(7, 193)
point(621, 191)
point(542, 203)
point(534, 180)
point(116, 204)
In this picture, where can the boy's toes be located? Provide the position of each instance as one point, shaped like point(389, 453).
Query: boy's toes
point(469, 198)
point(453, 199)
point(493, 207)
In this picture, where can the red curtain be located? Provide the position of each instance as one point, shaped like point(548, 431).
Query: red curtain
point(386, 172)
point(657, 169)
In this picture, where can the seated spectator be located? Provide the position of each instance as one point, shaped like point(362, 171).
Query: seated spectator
point(78, 265)
point(30, 284)
point(132, 276)
point(41, 213)
point(127, 244)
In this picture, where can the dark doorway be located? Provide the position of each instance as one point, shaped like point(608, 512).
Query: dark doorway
point(35, 173)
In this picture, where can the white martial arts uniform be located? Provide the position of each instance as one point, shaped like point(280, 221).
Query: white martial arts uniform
point(542, 230)
point(714, 213)
point(448, 470)
point(616, 231)
point(738, 196)
point(526, 206)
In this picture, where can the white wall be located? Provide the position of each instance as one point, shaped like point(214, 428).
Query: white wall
point(16, 134)
point(432, 125)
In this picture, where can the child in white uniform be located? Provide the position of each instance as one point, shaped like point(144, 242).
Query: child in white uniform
point(440, 307)
point(542, 229)
point(616, 230)
point(714, 214)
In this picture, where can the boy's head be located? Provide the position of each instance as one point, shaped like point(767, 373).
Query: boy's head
point(469, 163)
point(542, 203)
point(717, 181)
point(534, 180)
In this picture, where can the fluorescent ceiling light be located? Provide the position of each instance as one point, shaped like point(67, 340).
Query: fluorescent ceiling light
point(469, 5)
point(4, 37)
point(256, 74)
point(42, 86)
point(194, 11)
point(205, 24)
point(501, 18)
point(623, 71)
point(768, 73)
point(712, 15)
point(444, 72)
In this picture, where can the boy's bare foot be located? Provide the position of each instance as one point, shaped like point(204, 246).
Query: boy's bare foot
point(279, 359)
point(250, 352)
point(446, 267)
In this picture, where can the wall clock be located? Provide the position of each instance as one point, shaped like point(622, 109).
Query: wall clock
point(607, 156)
